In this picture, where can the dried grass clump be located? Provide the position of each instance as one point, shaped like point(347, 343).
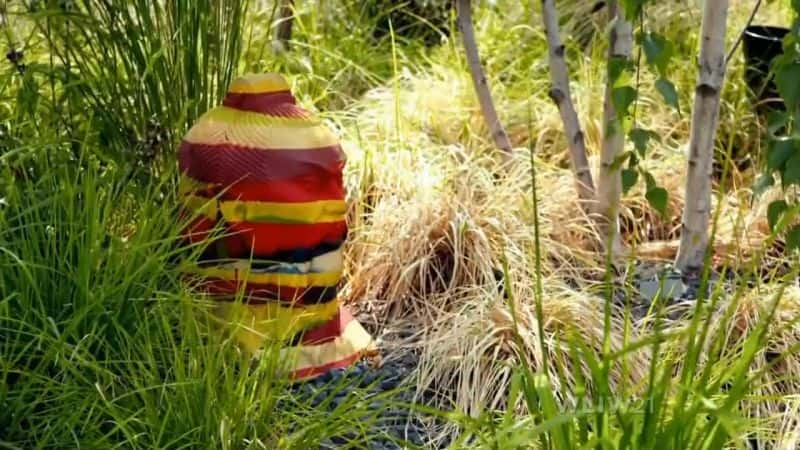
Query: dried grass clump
point(778, 359)
point(740, 238)
point(469, 354)
point(432, 108)
point(426, 116)
point(787, 425)
point(742, 231)
point(639, 222)
point(439, 223)
point(432, 224)
point(420, 243)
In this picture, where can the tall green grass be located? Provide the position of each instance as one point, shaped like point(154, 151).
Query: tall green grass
point(101, 344)
point(137, 73)
point(103, 347)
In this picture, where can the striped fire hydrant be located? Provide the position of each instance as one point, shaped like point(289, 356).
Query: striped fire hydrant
point(267, 176)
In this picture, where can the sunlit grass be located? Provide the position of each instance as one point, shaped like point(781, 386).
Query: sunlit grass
point(102, 346)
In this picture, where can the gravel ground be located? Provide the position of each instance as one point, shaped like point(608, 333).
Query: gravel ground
point(384, 387)
point(651, 281)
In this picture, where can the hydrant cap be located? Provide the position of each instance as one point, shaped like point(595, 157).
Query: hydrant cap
point(262, 83)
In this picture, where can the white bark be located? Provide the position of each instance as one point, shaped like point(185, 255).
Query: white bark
point(697, 207)
point(561, 96)
point(609, 180)
point(479, 80)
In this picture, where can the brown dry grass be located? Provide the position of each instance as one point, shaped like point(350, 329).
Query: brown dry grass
point(779, 358)
point(431, 225)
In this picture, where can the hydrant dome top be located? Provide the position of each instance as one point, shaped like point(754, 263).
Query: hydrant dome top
point(262, 83)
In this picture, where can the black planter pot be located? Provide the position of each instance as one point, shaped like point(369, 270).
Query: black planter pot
point(762, 44)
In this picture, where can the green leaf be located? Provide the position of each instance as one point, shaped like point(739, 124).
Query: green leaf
point(777, 120)
point(658, 52)
point(619, 160)
point(622, 97)
point(640, 137)
point(793, 238)
point(515, 391)
point(633, 160)
point(763, 183)
point(632, 8)
point(549, 405)
point(629, 179)
point(774, 212)
point(779, 150)
point(617, 66)
point(650, 181)
point(668, 91)
point(786, 80)
point(791, 173)
point(657, 197)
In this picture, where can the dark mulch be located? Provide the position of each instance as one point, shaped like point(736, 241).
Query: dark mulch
point(388, 390)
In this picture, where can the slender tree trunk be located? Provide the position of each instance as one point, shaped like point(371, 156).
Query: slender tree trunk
point(609, 181)
point(479, 80)
point(283, 34)
point(561, 96)
point(697, 207)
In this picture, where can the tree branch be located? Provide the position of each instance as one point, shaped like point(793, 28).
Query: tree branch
point(609, 188)
point(741, 35)
point(705, 114)
point(561, 96)
point(479, 80)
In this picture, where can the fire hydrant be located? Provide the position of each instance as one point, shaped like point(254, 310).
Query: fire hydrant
point(262, 180)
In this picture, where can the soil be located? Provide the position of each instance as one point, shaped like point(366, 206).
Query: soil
point(650, 283)
point(388, 388)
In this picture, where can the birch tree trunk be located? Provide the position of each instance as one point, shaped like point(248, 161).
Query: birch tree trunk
point(609, 181)
point(283, 34)
point(479, 80)
point(561, 96)
point(711, 73)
